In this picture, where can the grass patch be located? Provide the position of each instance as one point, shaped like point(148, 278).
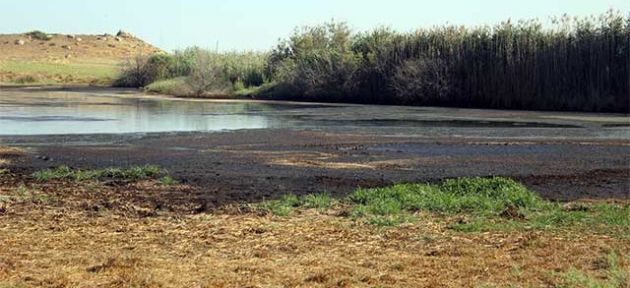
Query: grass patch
point(615, 276)
point(175, 87)
point(23, 194)
point(481, 196)
point(471, 204)
point(167, 181)
point(126, 174)
point(50, 72)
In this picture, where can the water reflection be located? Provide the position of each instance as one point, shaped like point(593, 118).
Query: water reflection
point(72, 113)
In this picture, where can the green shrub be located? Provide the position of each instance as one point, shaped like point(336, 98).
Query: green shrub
point(39, 35)
point(174, 86)
point(28, 79)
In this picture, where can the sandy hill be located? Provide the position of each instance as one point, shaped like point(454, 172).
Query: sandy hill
point(64, 58)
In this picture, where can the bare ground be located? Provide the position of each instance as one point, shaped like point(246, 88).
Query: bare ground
point(249, 166)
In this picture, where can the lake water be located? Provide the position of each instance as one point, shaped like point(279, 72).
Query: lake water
point(77, 113)
point(110, 111)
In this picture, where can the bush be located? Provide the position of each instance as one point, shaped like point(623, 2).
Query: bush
point(421, 81)
point(136, 72)
point(174, 86)
point(315, 63)
point(39, 35)
point(206, 75)
point(28, 79)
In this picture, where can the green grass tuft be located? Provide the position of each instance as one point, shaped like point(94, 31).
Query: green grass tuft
point(174, 86)
point(167, 181)
point(282, 207)
point(477, 204)
point(464, 195)
point(128, 174)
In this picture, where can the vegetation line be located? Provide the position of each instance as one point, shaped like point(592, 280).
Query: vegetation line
point(580, 64)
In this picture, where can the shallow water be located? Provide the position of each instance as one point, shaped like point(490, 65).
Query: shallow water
point(75, 113)
point(58, 112)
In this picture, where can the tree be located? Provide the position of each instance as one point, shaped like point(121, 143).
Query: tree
point(421, 81)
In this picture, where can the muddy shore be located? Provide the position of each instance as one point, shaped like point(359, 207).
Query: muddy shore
point(252, 165)
point(337, 148)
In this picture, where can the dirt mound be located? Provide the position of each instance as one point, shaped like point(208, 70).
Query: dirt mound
point(39, 58)
point(38, 46)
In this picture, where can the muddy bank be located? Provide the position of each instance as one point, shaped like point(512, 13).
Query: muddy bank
point(312, 148)
point(252, 165)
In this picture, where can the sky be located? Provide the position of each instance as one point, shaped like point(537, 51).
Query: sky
point(257, 25)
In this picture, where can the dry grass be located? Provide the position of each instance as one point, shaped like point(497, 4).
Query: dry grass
point(10, 151)
point(63, 59)
point(6, 153)
point(147, 234)
point(74, 249)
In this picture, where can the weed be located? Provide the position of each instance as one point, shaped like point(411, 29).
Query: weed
point(127, 174)
point(167, 181)
point(615, 276)
point(24, 194)
point(320, 202)
point(473, 205)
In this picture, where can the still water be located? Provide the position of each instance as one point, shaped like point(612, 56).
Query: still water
point(76, 113)
point(111, 111)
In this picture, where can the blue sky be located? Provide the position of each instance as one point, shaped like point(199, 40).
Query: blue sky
point(257, 25)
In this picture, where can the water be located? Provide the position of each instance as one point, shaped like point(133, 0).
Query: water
point(88, 111)
point(76, 113)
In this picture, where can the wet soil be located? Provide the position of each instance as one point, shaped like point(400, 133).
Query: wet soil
point(252, 165)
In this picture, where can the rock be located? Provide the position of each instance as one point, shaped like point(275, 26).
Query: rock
point(124, 34)
point(19, 42)
point(118, 39)
point(67, 47)
point(43, 157)
point(101, 38)
point(68, 56)
point(70, 36)
point(78, 39)
point(576, 207)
